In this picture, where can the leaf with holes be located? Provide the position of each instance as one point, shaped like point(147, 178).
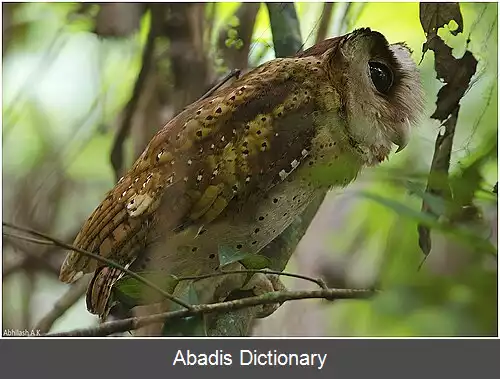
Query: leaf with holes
point(192, 326)
point(131, 292)
point(436, 15)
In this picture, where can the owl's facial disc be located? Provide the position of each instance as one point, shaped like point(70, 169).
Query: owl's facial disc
point(380, 87)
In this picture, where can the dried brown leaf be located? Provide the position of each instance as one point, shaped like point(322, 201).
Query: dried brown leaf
point(436, 15)
point(457, 73)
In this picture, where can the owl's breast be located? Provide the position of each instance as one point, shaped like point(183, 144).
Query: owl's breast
point(246, 228)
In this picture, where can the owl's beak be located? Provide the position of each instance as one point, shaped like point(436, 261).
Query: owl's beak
point(401, 136)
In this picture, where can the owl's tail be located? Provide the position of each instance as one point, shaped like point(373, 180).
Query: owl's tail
point(98, 297)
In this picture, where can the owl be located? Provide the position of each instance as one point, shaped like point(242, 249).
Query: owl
point(232, 171)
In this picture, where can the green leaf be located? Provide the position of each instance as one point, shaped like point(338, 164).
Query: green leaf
point(238, 44)
point(193, 326)
point(436, 203)
point(234, 22)
point(255, 262)
point(403, 209)
point(228, 255)
point(232, 34)
point(132, 292)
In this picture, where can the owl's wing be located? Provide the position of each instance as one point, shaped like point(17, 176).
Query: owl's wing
point(243, 139)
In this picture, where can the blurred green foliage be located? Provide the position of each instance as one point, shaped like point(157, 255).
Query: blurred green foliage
point(63, 87)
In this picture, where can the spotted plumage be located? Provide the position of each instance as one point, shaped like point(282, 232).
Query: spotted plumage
point(234, 170)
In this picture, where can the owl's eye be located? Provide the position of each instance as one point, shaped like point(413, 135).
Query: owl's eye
point(381, 76)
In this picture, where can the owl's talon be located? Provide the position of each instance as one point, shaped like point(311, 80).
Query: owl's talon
point(262, 283)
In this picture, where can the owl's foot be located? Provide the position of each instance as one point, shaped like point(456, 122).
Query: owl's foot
point(260, 284)
point(230, 286)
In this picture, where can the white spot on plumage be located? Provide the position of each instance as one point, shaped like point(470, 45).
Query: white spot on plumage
point(139, 204)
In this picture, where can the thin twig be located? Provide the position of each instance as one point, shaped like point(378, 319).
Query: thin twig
point(133, 323)
point(232, 74)
point(37, 261)
point(101, 259)
point(29, 239)
point(62, 305)
point(319, 282)
point(40, 261)
point(326, 16)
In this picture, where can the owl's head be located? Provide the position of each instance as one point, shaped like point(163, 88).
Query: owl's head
point(379, 87)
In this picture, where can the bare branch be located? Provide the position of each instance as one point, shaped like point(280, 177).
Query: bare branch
point(133, 323)
point(232, 74)
point(30, 259)
point(285, 27)
point(62, 305)
point(147, 58)
point(319, 282)
point(101, 259)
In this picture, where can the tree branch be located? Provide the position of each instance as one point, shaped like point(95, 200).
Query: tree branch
point(147, 58)
point(62, 305)
point(319, 282)
point(326, 16)
point(99, 258)
point(285, 27)
point(133, 323)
